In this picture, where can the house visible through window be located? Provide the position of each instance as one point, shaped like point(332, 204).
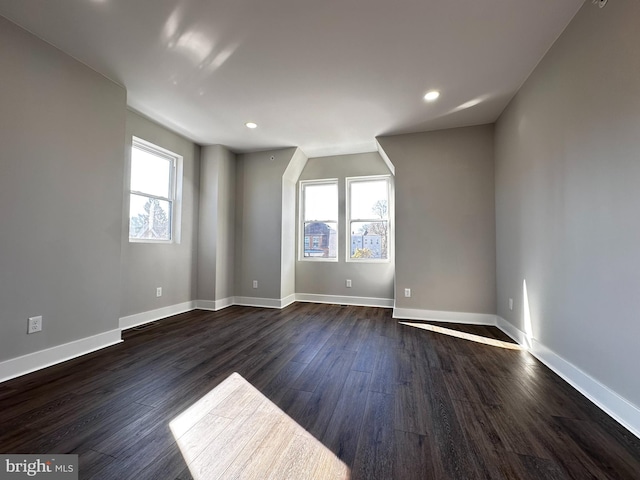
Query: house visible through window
point(319, 224)
point(152, 192)
point(368, 218)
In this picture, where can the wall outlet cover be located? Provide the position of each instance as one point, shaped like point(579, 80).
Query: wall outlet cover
point(35, 324)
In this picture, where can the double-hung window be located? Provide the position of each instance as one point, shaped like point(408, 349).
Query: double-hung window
point(152, 193)
point(319, 220)
point(368, 218)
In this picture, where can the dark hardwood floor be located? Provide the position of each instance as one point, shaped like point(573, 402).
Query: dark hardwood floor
point(390, 401)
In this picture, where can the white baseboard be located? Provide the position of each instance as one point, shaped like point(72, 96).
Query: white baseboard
point(264, 302)
point(294, 297)
point(214, 305)
point(153, 315)
point(31, 362)
point(512, 331)
point(345, 300)
point(209, 305)
point(288, 300)
point(444, 316)
point(257, 302)
point(627, 414)
point(623, 411)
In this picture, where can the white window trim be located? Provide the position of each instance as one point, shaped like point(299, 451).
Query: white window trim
point(349, 220)
point(301, 220)
point(175, 190)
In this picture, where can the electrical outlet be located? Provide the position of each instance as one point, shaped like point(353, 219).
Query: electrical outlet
point(255, 284)
point(35, 324)
point(348, 283)
point(407, 292)
point(159, 292)
point(511, 304)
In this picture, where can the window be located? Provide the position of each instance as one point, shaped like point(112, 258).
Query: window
point(152, 193)
point(368, 218)
point(319, 225)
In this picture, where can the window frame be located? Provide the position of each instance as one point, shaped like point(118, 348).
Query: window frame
point(175, 162)
point(302, 221)
point(348, 220)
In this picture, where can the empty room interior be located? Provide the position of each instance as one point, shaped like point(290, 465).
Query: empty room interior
point(346, 240)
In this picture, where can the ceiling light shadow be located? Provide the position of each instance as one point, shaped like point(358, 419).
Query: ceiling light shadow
point(466, 336)
point(234, 431)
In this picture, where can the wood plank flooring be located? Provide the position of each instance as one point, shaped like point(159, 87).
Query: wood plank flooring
point(312, 391)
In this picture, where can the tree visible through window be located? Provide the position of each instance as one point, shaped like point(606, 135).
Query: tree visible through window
point(151, 196)
point(368, 217)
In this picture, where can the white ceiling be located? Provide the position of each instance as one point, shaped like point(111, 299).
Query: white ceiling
point(325, 75)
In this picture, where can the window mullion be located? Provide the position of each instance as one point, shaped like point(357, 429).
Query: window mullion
point(148, 195)
point(321, 221)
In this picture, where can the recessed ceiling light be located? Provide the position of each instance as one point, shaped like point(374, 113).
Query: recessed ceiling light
point(432, 95)
point(251, 125)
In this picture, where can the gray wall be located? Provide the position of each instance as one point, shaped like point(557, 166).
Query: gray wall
point(445, 219)
point(568, 197)
point(61, 149)
point(146, 266)
point(259, 222)
point(328, 278)
point(217, 223)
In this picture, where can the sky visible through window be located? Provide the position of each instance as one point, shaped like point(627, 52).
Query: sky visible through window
point(364, 196)
point(321, 202)
point(150, 174)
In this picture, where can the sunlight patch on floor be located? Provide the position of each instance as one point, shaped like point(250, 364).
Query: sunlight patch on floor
point(466, 336)
point(234, 431)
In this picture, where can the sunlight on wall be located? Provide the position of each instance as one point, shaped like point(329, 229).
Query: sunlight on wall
point(466, 336)
point(234, 431)
point(528, 327)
